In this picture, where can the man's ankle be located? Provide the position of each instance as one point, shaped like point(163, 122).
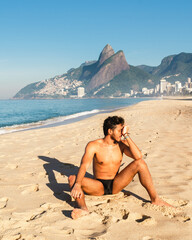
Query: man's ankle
point(155, 199)
point(84, 208)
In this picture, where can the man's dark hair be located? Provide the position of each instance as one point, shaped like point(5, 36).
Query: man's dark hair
point(111, 122)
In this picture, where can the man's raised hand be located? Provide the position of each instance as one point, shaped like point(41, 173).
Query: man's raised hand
point(125, 130)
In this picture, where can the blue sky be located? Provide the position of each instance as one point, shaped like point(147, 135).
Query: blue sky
point(40, 39)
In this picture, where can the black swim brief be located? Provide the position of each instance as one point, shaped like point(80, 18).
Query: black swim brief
point(108, 185)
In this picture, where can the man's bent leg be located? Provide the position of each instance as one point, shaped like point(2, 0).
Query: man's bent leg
point(127, 174)
point(80, 201)
point(89, 186)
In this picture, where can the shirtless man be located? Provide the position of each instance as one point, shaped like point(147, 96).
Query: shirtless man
point(107, 154)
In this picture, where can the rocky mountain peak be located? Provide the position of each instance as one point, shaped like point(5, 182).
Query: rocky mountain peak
point(113, 65)
point(105, 54)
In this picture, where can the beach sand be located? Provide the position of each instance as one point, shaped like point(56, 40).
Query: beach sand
point(35, 201)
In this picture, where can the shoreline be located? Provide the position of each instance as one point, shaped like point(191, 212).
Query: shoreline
point(53, 123)
point(61, 120)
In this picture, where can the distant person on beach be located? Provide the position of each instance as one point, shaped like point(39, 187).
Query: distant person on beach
point(107, 154)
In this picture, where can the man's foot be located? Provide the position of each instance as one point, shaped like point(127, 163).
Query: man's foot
point(160, 202)
point(78, 212)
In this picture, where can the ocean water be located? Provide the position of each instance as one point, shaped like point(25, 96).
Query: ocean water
point(17, 115)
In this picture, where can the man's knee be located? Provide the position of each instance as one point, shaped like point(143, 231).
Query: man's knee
point(140, 164)
point(71, 180)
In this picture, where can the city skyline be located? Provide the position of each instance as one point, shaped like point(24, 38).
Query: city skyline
point(42, 39)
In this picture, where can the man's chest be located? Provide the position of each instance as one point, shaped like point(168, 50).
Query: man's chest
point(111, 155)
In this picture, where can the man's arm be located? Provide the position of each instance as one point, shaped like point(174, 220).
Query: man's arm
point(85, 162)
point(130, 148)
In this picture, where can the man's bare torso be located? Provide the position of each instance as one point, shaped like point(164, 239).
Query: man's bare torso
point(107, 159)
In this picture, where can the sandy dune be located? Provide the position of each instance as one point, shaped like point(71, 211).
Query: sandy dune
point(35, 201)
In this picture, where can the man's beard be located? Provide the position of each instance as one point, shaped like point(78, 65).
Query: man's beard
point(114, 140)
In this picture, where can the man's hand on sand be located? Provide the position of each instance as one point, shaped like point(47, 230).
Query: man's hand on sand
point(125, 130)
point(76, 192)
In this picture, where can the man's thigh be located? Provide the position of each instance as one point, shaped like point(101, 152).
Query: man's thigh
point(123, 178)
point(92, 187)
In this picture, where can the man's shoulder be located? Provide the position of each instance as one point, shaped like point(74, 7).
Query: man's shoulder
point(92, 146)
point(94, 143)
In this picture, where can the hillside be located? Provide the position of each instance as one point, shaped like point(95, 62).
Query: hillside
point(175, 67)
point(109, 76)
point(134, 78)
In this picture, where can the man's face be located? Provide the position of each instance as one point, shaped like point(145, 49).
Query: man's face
point(117, 133)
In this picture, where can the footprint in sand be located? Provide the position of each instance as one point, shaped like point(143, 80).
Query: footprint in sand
point(3, 202)
point(85, 234)
point(82, 228)
point(173, 213)
point(35, 216)
point(57, 231)
point(49, 206)
point(133, 216)
point(139, 218)
point(29, 216)
point(16, 236)
point(32, 237)
point(97, 200)
point(146, 220)
point(29, 188)
point(12, 166)
point(182, 217)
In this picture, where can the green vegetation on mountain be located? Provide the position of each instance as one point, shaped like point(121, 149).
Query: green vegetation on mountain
point(181, 63)
point(146, 68)
point(134, 78)
point(74, 73)
point(89, 71)
point(178, 67)
point(29, 89)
